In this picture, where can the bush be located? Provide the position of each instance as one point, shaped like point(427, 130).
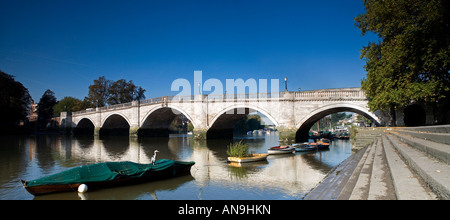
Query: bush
point(237, 149)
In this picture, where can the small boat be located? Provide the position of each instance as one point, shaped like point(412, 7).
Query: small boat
point(107, 174)
point(304, 147)
point(322, 145)
point(300, 144)
point(325, 140)
point(281, 150)
point(251, 158)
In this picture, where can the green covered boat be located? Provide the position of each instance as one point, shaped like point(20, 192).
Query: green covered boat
point(107, 174)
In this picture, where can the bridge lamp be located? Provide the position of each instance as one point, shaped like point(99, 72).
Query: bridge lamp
point(285, 84)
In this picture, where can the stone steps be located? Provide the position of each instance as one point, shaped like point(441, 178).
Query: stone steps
point(407, 185)
point(442, 138)
point(433, 149)
point(374, 180)
point(332, 186)
point(428, 159)
point(402, 164)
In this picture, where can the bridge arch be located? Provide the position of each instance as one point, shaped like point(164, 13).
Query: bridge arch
point(156, 122)
point(115, 124)
point(84, 127)
point(309, 120)
point(223, 122)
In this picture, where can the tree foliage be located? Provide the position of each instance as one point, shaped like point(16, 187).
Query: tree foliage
point(14, 100)
point(68, 104)
point(98, 92)
point(410, 62)
point(45, 108)
point(105, 91)
point(248, 123)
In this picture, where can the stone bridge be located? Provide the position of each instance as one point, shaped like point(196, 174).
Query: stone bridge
point(214, 116)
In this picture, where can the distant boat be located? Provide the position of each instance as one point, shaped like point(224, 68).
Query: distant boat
point(106, 174)
point(281, 150)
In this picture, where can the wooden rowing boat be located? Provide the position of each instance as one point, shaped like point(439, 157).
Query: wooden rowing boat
point(251, 158)
point(280, 150)
point(304, 147)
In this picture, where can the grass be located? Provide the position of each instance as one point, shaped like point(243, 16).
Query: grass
point(238, 149)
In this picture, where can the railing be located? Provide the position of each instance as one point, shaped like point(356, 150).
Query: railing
point(244, 96)
point(347, 93)
point(332, 93)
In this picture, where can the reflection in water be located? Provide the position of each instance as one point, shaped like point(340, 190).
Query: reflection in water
point(280, 177)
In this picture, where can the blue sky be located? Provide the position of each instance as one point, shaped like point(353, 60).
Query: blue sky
point(65, 45)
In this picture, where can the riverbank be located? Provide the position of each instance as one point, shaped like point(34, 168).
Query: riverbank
point(391, 164)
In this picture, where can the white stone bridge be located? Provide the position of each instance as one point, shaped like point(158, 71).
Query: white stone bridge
point(214, 116)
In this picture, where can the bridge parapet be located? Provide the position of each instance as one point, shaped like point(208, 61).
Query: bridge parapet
point(346, 93)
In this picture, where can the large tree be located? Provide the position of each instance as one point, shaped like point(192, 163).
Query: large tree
point(410, 62)
point(45, 108)
point(14, 101)
point(105, 91)
point(68, 104)
point(98, 92)
point(122, 91)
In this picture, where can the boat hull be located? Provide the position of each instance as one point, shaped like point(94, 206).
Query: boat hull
point(280, 150)
point(175, 170)
point(253, 158)
point(305, 149)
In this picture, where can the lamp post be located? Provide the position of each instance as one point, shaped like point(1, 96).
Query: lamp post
point(285, 84)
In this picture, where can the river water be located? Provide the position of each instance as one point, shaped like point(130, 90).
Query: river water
point(281, 177)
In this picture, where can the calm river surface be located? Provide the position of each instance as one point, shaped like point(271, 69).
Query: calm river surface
point(281, 177)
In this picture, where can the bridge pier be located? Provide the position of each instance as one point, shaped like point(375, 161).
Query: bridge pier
point(134, 131)
point(97, 131)
point(200, 134)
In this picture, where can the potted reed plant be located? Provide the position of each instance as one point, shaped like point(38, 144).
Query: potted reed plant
point(238, 152)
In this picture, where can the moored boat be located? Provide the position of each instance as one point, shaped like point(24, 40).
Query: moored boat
point(303, 147)
point(280, 150)
point(322, 145)
point(107, 174)
point(251, 158)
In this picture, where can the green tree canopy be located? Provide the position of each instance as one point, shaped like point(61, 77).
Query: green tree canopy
point(98, 92)
point(45, 108)
point(14, 100)
point(68, 104)
point(105, 91)
point(410, 62)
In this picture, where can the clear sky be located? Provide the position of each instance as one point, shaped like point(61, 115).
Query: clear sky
point(63, 45)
